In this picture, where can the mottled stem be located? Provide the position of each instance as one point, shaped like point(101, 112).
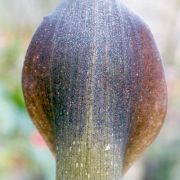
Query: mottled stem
point(83, 160)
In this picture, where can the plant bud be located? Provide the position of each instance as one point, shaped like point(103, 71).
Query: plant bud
point(94, 86)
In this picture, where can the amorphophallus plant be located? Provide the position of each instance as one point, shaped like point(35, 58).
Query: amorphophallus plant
point(94, 86)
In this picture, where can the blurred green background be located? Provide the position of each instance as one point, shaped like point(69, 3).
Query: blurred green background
point(23, 154)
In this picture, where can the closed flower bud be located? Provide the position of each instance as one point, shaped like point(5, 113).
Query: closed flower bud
point(94, 86)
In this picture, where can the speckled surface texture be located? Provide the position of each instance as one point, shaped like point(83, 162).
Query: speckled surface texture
point(94, 86)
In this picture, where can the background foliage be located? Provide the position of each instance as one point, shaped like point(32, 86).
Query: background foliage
point(23, 154)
